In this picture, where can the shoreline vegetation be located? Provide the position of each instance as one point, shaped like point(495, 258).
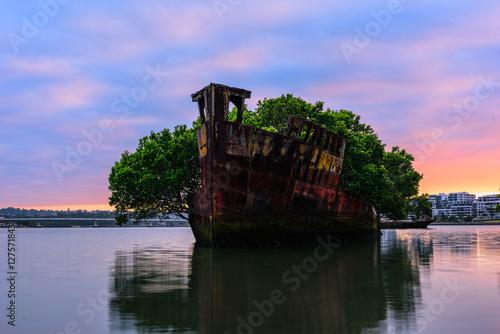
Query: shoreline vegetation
point(12, 212)
point(111, 223)
point(32, 218)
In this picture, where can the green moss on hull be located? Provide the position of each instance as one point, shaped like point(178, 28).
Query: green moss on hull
point(235, 230)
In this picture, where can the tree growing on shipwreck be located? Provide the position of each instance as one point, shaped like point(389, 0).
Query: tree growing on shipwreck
point(157, 178)
point(160, 176)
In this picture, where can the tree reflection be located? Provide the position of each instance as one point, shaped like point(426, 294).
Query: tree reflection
point(355, 288)
point(403, 257)
point(149, 289)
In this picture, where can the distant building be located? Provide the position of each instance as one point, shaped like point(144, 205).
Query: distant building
point(439, 204)
point(485, 207)
point(461, 197)
point(465, 204)
point(462, 209)
point(440, 212)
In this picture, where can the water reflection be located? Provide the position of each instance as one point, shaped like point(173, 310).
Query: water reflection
point(498, 274)
point(353, 288)
point(236, 290)
point(150, 290)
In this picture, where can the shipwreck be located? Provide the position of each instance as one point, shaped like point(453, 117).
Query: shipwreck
point(260, 187)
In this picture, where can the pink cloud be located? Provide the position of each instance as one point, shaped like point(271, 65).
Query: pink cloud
point(194, 74)
point(180, 25)
point(4, 148)
point(117, 133)
point(75, 93)
point(41, 66)
point(458, 36)
point(269, 13)
point(53, 99)
point(153, 25)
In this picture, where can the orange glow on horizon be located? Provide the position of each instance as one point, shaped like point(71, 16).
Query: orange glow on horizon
point(73, 207)
point(447, 178)
point(437, 183)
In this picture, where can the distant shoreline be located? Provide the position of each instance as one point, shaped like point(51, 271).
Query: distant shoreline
point(86, 223)
point(90, 227)
point(496, 222)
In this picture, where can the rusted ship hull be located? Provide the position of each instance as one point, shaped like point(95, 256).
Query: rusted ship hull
point(260, 187)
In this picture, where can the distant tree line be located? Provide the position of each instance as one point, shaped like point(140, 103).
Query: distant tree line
point(497, 209)
point(455, 218)
point(11, 212)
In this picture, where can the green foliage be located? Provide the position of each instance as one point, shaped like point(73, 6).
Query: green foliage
point(419, 206)
point(158, 177)
point(387, 179)
point(497, 209)
point(468, 219)
point(442, 217)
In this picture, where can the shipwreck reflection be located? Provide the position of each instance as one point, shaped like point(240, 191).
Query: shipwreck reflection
point(351, 288)
point(340, 294)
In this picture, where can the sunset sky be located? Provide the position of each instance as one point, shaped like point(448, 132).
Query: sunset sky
point(82, 81)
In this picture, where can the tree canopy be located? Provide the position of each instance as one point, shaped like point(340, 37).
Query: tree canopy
point(497, 209)
point(386, 178)
point(164, 171)
point(158, 177)
point(420, 206)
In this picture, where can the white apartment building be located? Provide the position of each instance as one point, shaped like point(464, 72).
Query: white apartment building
point(439, 212)
point(439, 204)
point(461, 197)
point(465, 204)
point(485, 206)
point(462, 209)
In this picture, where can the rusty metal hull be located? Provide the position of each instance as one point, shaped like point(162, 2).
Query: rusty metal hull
point(272, 229)
point(407, 224)
point(260, 187)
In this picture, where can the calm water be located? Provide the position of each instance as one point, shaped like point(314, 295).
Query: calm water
point(154, 280)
